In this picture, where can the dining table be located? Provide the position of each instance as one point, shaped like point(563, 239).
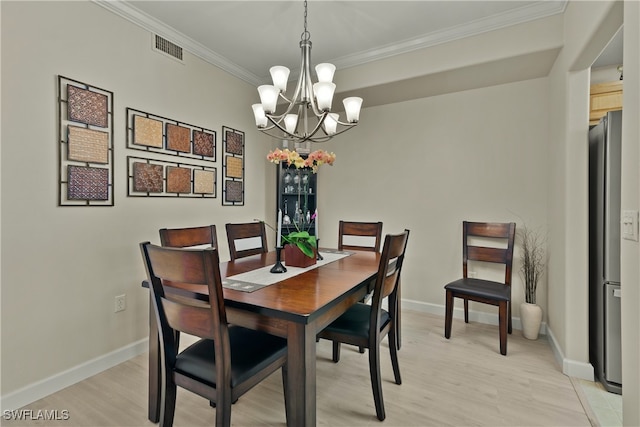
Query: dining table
point(295, 307)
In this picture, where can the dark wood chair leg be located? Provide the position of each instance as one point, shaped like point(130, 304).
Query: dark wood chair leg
point(168, 406)
point(510, 326)
point(223, 414)
point(155, 367)
point(287, 402)
point(336, 351)
point(361, 350)
point(393, 349)
point(397, 320)
point(466, 310)
point(503, 308)
point(376, 383)
point(448, 315)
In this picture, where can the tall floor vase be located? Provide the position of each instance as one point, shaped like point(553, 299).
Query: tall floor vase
point(531, 317)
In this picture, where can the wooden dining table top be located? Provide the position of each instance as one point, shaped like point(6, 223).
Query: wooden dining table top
point(298, 298)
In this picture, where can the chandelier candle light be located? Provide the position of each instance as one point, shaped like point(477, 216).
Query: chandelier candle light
point(307, 116)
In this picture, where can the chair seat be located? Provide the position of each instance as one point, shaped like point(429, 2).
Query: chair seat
point(480, 288)
point(355, 321)
point(251, 351)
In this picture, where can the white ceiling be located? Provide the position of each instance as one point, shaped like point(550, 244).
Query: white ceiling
point(245, 38)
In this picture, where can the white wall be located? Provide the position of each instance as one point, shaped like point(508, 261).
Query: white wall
point(630, 250)
point(429, 164)
point(63, 266)
point(588, 28)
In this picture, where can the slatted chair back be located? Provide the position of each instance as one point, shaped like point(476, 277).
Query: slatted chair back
point(246, 239)
point(189, 237)
point(496, 255)
point(348, 231)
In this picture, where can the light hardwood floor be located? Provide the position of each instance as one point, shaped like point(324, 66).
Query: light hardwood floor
point(463, 381)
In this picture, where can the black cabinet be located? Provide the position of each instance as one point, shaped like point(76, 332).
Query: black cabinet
point(297, 198)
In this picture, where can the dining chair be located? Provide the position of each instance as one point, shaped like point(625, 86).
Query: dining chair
point(366, 325)
point(189, 237)
point(476, 246)
point(246, 239)
point(364, 236)
point(227, 360)
point(360, 236)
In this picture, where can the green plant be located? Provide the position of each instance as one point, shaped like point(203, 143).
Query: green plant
point(533, 262)
point(300, 238)
point(303, 240)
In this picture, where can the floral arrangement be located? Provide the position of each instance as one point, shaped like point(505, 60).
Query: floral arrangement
point(313, 161)
point(301, 237)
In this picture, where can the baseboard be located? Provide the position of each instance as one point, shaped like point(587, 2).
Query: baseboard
point(571, 368)
point(57, 382)
point(458, 313)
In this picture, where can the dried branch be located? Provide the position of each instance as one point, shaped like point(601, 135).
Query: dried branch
point(533, 262)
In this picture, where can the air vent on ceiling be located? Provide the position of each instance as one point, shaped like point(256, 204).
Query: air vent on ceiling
point(165, 46)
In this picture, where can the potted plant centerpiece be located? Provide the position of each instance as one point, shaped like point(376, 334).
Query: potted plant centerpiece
point(300, 247)
point(533, 264)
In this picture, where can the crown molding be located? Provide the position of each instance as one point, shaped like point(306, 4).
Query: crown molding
point(516, 16)
point(136, 16)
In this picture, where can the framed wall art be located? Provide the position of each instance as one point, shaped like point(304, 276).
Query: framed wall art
point(157, 134)
point(159, 178)
point(233, 167)
point(85, 144)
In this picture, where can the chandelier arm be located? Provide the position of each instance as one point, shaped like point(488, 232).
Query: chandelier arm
point(350, 124)
point(325, 138)
point(276, 123)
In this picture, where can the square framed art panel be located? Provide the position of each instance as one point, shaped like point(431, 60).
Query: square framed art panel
point(85, 144)
point(233, 167)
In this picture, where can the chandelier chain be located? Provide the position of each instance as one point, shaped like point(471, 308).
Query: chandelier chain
point(306, 35)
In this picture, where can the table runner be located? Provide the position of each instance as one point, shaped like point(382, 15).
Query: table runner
point(257, 279)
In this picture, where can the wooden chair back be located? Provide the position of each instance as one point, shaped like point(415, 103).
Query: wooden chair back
point(476, 252)
point(195, 317)
point(360, 229)
point(388, 276)
point(240, 232)
point(189, 237)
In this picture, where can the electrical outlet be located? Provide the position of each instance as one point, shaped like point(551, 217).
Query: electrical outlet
point(121, 303)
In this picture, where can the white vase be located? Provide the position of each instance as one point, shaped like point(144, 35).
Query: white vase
point(531, 317)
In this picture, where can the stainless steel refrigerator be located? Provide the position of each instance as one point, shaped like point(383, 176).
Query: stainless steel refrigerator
point(605, 145)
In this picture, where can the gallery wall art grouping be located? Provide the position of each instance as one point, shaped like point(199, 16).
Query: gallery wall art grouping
point(181, 165)
point(85, 144)
point(176, 159)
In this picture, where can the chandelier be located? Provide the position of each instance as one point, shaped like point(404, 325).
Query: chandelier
point(307, 115)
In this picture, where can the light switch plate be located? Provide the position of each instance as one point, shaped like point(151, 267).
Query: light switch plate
point(630, 225)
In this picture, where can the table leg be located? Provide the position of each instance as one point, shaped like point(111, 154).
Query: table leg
point(154, 365)
point(301, 360)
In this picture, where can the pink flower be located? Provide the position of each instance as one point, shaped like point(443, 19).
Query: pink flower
point(313, 161)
